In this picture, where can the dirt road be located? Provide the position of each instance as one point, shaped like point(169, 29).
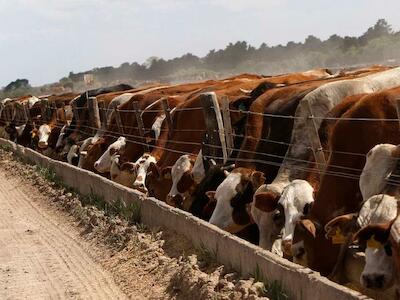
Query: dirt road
point(40, 256)
point(54, 244)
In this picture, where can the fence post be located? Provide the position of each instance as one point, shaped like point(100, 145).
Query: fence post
point(43, 109)
point(214, 126)
point(103, 115)
point(140, 125)
point(64, 114)
point(119, 121)
point(94, 115)
point(53, 110)
point(27, 114)
point(227, 124)
point(167, 112)
point(316, 146)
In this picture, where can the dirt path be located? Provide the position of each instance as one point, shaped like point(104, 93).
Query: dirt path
point(40, 256)
point(57, 244)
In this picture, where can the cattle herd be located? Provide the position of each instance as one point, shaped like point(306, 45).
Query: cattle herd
point(311, 170)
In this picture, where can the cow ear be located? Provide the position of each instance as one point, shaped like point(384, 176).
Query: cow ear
point(257, 179)
point(344, 225)
point(308, 226)
point(211, 196)
point(266, 201)
point(185, 183)
point(380, 233)
point(166, 172)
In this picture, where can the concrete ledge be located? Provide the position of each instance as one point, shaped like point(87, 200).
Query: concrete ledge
point(246, 258)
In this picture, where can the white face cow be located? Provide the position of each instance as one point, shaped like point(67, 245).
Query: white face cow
point(124, 173)
point(280, 215)
point(378, 166)
point(60, 140)
point(182, 179)
point(83, 150)
point(143, 164)
point(375, 219)
point(72, 155)
point(103, 164)
point(43, 135)
point(233, 197)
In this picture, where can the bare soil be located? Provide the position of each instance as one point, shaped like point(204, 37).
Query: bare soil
point(51, 246)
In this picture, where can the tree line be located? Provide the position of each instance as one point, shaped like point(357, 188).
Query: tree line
point(379, 44)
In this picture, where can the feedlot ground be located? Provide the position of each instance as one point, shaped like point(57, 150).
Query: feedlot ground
point(52, 247)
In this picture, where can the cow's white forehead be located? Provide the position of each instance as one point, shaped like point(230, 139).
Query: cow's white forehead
point(118, 143)
point(378, 209)
point(43, 129)
point(181, 165)
point(297, 194)
point(227, 189)
point(379, 164)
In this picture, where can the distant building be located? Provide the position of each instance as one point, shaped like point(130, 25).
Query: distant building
point(88, 79)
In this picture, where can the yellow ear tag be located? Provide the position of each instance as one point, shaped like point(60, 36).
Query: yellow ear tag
point(374, 244)
point(338, 238)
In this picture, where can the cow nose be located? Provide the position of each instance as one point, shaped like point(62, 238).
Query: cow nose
point(96, 165)
point(373, 281)
point(42, 144)
point(287, 247)
point(174, 200)
point(140, 187)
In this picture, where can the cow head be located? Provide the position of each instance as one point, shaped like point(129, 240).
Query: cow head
point(90, 151)
point(379, 268)
point(278, 215)
point(143, 164)
point(201, 205)
point(73, 155)
point(375, 219)
point(182, 180)
point(123, 173)
point(158, 181)
point(60, 141)
point(233, 196)
point(103, 164)
point(44, 134)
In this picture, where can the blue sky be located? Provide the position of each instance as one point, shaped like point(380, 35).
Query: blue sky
point(42, 40)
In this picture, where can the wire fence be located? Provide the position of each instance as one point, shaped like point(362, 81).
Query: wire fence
point(178, 146)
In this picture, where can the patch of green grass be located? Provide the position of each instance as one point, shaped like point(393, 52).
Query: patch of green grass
point(272, 289)
point(6, 147)
point(48, 174)
point(205, 255)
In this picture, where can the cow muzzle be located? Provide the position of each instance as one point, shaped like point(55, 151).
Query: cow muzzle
point(374, 281)
point(175, 200)
point(42, 144)
point(140, 187)
point(287, 248)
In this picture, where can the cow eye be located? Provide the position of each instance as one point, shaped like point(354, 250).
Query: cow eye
point(388, 249)
point(279, 218)
point(113, 151)
point(300, 252)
